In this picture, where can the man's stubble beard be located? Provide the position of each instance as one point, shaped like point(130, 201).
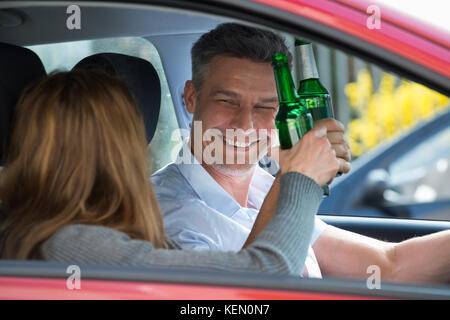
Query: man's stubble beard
point(234, 171)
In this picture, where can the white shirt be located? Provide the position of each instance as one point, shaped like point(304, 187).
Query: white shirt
point(199, 214)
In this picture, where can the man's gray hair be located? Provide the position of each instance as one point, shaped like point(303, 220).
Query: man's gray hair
point(234, 40)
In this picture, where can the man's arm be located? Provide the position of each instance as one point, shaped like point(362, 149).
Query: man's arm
point(341, 253)
point(339, 143)
point(266, 212)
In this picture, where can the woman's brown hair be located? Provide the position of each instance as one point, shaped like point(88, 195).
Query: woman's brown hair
point(77, 155)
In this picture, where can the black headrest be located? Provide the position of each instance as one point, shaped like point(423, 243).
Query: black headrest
point(141, 78)
point(18, 68)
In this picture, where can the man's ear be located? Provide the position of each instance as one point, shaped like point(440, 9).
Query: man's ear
point(190, 96)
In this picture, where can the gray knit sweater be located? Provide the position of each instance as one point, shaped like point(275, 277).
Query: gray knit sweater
point(280, 248)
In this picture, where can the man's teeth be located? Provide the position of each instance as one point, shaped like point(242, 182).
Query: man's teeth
point(238, 143)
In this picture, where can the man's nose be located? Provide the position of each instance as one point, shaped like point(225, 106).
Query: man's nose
point(243, 119)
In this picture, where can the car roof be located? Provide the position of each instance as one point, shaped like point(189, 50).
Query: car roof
point(410, 51)
point(40, 24)
point(403, 20)
point(414, 40)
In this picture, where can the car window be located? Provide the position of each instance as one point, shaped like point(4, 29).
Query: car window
point(380, 110)
point(63, 56)
point(422, 174)
point(374, 105)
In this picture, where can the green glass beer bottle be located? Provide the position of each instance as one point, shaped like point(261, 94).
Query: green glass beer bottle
point(312, 94)
point(292, 122)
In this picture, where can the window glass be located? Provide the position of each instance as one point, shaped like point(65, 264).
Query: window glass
point(63, 56)
point(376, 107)
point(379, 109)
point(422, 174)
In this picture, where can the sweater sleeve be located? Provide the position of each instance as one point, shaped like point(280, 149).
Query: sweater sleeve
point(280, 248)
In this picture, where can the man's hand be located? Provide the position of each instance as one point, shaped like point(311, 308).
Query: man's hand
point(338, 141)
point(312, 156)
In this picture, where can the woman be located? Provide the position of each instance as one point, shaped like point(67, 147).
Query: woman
point(75, 185)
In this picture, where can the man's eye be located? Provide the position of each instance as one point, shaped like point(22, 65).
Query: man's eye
point(264, 108)
point(227, 101)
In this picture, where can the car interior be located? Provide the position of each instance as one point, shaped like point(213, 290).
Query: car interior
point(172, 31)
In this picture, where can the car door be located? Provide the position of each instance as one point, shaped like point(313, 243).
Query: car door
point(14, 275)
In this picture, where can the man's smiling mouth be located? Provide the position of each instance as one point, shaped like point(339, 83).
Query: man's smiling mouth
point(238, 144)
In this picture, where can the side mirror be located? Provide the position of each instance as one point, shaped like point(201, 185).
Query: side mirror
point(378, 192)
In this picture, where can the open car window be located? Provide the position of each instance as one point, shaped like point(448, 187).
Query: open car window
point(398, 135)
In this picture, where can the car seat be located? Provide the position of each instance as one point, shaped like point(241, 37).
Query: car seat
point(139, 75)
point(19, 68)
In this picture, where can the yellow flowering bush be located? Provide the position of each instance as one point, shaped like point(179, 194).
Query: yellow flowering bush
point(395, 106)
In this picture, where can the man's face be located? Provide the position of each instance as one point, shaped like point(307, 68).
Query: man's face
point(238, 99)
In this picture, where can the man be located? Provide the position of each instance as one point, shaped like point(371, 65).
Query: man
point(210, 199)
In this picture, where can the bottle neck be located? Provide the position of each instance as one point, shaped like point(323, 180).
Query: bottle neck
point(285, 84)
point(308, 68)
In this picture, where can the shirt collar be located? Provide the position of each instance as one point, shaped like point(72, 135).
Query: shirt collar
point(259, 187)
point(212, 192)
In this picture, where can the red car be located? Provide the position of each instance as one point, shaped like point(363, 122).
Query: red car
point(396, 42)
